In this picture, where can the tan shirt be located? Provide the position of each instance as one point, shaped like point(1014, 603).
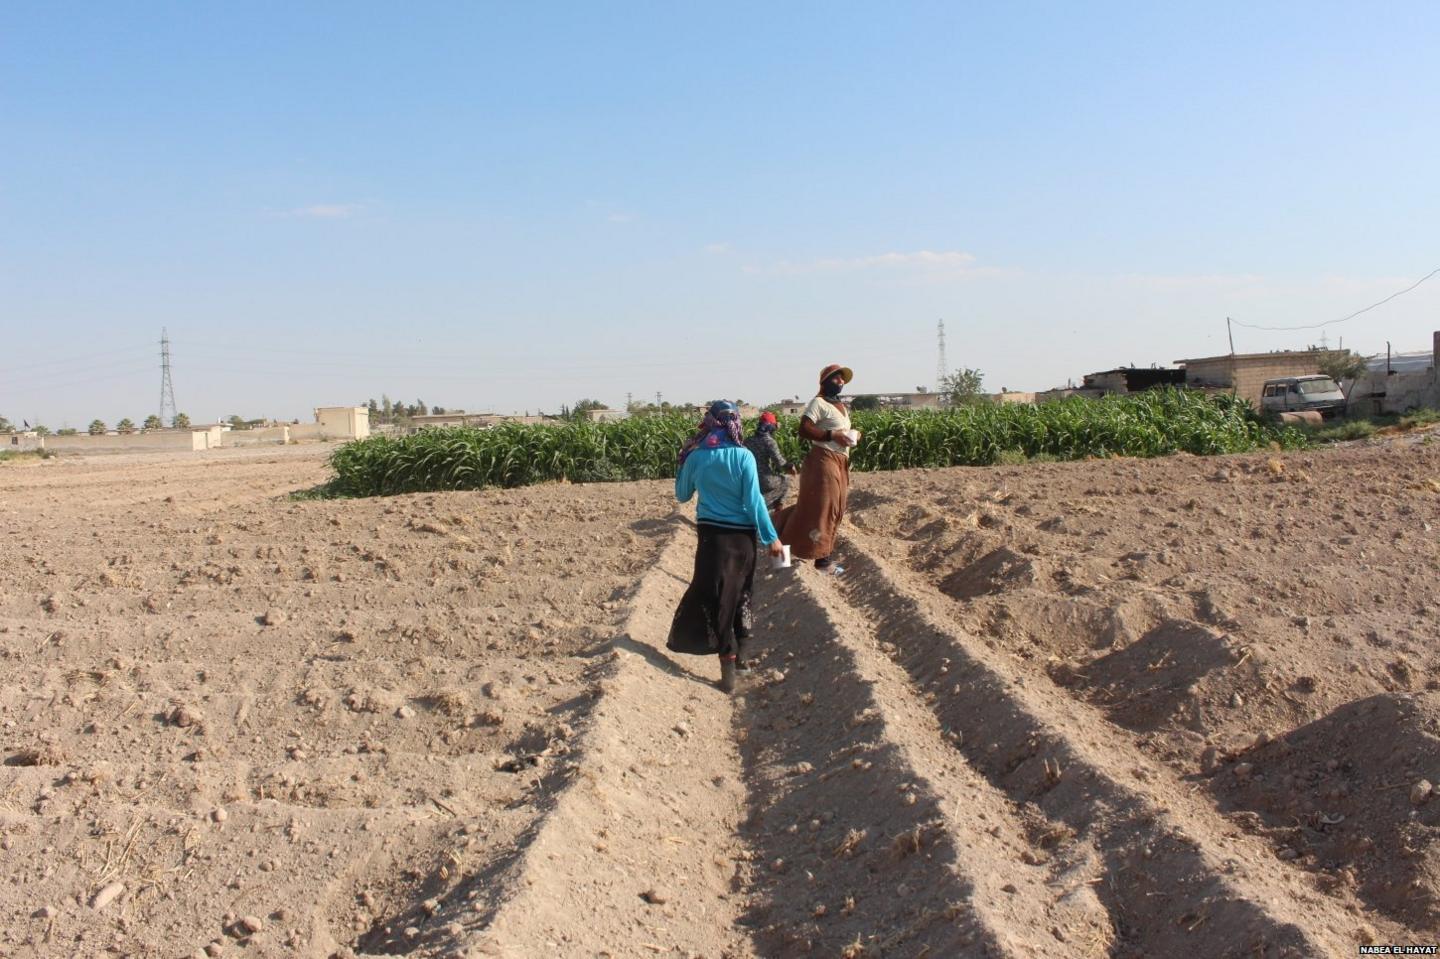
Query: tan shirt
point(828, 416)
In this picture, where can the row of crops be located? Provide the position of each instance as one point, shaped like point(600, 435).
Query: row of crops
point(1155, 423)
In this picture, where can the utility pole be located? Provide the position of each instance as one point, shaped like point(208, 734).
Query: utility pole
point(629, 401)
point(941, 370)
point(1229, 332)
point(167, 388)
point(657, 399)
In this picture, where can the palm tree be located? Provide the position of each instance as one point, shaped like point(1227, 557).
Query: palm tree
point(181, 421)
point(152, 422)
point(98, 428)
point(125, 425)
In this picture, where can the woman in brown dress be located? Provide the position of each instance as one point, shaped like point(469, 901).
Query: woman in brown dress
point(809, 526)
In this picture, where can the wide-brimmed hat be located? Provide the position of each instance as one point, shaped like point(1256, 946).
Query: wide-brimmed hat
point(834, 368)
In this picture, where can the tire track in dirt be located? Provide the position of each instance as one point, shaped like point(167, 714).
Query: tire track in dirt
point(639, 853)
point(1168, 878)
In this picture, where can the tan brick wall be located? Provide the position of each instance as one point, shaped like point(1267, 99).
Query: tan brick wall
point(1250, 375)
point(1250, 372)
point(1214, 372)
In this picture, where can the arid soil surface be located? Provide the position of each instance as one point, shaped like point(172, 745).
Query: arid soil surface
point(1123, 708)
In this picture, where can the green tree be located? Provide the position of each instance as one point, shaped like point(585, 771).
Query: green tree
point(152, 422)
point(1341, 365)
point(578, 411)
point(126, 425)
point(97, 427)
point(865, 401)
point(236, 423)
point(67, 431)
point(6, 426)
point(41, 430)
point(963, 386)
point(181, 421)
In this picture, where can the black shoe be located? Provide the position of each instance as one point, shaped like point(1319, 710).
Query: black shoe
point(727, 676)
point(823, 562)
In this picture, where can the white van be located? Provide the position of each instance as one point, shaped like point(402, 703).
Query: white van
point(1291, 394)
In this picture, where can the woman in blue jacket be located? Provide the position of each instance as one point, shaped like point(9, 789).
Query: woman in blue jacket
point(714, 615)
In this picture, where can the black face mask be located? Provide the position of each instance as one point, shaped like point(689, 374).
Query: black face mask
point(831, 388)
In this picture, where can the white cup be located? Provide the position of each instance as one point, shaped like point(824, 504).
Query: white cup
point(781, 562)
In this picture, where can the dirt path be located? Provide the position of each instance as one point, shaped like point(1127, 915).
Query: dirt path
point(640, 853)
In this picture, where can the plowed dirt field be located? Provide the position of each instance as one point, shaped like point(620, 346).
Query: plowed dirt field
point(1123, 708)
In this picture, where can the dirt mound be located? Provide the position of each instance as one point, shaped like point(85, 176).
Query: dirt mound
point(995, 572)
point(1152, 681)
point(1350, 796)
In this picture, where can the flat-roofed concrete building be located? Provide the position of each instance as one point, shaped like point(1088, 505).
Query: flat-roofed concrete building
point(454, 418)
point(1133, 379)
point(334, 423)
point(606, 415)
point(1246, 373)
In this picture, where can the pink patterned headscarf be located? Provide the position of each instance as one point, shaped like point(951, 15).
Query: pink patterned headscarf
point(720, 427)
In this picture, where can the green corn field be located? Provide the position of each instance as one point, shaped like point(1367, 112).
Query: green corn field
point(1155, 423)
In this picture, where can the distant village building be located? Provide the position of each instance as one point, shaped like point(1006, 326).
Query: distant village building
point(331, 423)
point(475, 420)
point(605, 415)
point(334, 423)
point(1398, 383)
point(1133, 379)
point(903, 401)
point(453, 418)
point(791, 407)
point(908, 401)
point(1245, 373)
point(1064, 393)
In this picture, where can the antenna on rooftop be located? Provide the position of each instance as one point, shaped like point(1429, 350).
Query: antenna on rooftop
point(941, 370)
point(167, 388)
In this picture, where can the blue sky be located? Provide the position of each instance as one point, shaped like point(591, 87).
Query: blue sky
point(513, 206)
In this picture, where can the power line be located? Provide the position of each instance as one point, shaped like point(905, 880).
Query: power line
point(1316, 326)
point(110, 358)
point(44, 377)
point(52, 385)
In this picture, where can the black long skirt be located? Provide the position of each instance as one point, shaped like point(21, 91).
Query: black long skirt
point(714, 615)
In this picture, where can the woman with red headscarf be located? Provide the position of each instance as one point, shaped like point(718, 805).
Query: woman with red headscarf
point(809, 526)
point(714, 614)
point(770, 461)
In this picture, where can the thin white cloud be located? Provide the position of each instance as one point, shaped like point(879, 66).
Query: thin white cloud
point(934, 263)
point(322, 211)
point(620, 217)
point(717, 249)
point(1191, 281)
